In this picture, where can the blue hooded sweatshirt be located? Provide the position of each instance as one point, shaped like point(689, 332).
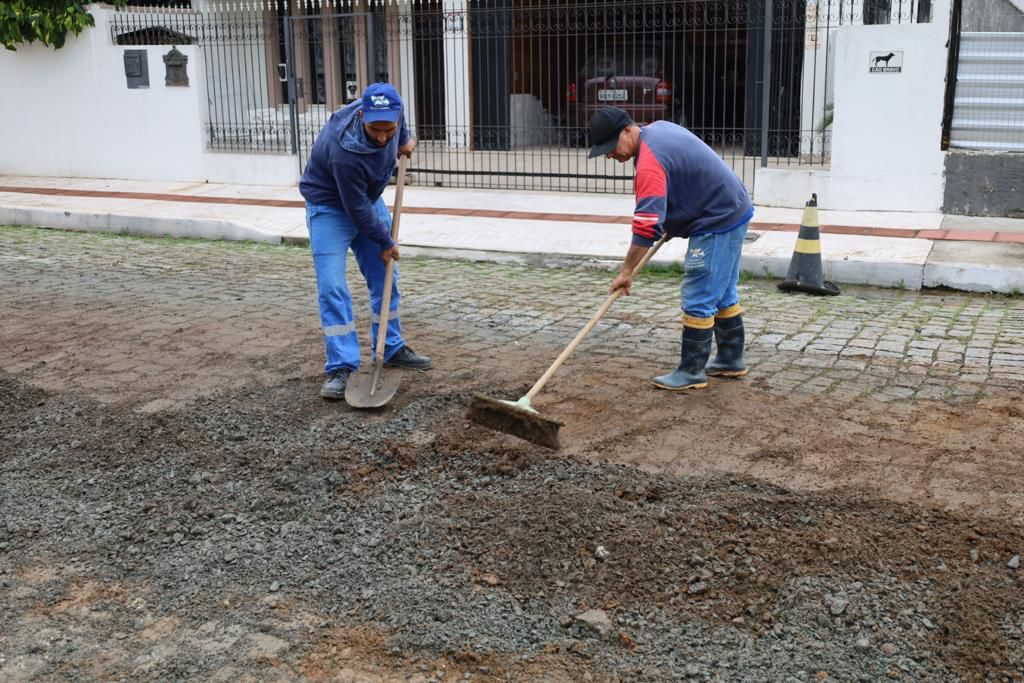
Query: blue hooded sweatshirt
point(348, 172)
point(683, 187)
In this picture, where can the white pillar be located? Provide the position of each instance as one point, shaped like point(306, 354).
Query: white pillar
point(824, 18)
point(407, 62)
point(456, 72)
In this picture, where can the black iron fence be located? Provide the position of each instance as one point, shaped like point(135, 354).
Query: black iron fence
point(499, 92)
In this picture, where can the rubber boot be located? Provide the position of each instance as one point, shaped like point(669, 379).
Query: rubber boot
point(693, 358)
point(729, 337)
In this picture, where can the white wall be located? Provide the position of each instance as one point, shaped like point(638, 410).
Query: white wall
point(817, 91)
point(244, 92)
point(69, 112)
point(529, 121)
point(887, 126)
point(818, 77)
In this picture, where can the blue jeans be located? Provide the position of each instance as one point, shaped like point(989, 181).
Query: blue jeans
point(331, 234)
point(712, 271)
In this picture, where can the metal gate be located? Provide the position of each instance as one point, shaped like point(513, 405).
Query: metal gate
point(499, 92)
point(988, 109)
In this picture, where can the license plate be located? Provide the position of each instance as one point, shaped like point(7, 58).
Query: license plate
point(620, 95)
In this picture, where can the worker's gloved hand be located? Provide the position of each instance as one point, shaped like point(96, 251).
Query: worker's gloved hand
point(388, 254)
point(623, 281)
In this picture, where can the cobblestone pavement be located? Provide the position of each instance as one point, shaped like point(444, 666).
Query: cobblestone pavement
point(102, 312)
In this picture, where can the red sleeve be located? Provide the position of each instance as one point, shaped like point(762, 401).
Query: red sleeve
point(651, 196)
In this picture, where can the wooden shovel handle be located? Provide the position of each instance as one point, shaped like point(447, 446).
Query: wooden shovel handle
point(590, 325)
point(385, 304)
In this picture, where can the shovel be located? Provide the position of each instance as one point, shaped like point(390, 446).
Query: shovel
point(374, 388)
point(519, 418)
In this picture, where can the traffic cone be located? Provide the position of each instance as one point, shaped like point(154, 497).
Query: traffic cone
point(805, 267)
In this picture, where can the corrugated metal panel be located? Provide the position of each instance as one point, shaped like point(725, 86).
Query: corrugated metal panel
point(988, 112)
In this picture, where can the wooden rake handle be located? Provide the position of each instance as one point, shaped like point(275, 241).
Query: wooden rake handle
point(389, 273)
point(590, 325)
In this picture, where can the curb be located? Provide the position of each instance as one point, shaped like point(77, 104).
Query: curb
point(992, 268)
point(766, 256)
point(125, 224)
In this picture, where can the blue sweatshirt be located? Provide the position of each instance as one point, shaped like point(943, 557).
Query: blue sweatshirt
point(683, 187)
point(348, 172)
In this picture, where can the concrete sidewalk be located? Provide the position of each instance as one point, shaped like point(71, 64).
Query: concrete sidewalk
point(910, 250)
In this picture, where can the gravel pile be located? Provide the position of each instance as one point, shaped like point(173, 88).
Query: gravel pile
point(392, 520)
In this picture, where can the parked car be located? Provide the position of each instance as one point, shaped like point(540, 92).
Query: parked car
point(646, 81)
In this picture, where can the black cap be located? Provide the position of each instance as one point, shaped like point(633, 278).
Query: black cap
point(605, 126)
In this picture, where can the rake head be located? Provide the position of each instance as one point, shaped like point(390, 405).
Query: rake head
point(515, 418)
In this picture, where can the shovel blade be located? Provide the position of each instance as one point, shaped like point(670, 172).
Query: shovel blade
point(360, 392)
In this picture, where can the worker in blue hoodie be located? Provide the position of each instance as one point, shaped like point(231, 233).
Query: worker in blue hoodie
point(685, 189)
point(349, 166)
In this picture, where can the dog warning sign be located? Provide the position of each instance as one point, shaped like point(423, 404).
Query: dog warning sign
point(890, 62)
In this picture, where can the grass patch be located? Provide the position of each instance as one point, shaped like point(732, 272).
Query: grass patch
point(110, 236)
point(676, 271)
point(661, 272)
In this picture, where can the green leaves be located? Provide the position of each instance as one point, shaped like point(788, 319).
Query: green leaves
point(48, 21)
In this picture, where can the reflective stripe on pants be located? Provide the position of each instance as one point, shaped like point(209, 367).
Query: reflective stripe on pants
point(331, 235)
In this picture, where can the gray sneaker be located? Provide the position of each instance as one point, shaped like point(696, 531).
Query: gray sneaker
point(409, 359)
point(334, 386)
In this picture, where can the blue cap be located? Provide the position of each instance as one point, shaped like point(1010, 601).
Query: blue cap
point(381, 102)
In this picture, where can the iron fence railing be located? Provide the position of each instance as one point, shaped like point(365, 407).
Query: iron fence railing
point(952, 62)
point(499, 92)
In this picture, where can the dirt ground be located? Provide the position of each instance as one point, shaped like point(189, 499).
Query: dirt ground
point(763, 488)
point(965, 458)
point(162, 526)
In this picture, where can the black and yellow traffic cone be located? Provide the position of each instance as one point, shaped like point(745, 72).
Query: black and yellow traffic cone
point(805, 267)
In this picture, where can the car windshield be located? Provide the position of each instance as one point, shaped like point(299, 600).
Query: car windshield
point(624, 62)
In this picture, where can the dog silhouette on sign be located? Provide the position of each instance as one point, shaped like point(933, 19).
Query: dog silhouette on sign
point(885, 58)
